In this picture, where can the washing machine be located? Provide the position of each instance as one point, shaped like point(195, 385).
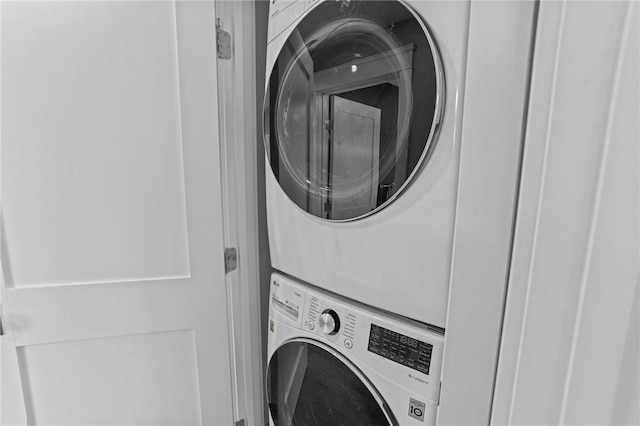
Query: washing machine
point(362, 118)
point(335, 362)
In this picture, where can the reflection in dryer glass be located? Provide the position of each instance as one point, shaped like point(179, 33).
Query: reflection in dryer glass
point(352, 107)
point(307, 385)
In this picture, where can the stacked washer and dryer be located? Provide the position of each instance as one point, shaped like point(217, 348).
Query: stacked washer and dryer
point(362, 119)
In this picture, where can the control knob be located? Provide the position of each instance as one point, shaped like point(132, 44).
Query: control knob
point(329, 322)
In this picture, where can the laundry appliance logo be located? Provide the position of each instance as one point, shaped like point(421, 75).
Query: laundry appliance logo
point(418, 379)
point(416, 409)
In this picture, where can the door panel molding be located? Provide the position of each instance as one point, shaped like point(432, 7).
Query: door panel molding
point(97, 113)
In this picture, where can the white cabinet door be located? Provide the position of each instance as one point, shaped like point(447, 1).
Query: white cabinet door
point(355, 151)
point(112, 228)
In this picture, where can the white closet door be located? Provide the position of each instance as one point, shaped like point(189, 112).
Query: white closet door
point(112, 240)
point(354, 153)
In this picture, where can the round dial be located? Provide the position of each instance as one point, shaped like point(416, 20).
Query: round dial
point(329, 322)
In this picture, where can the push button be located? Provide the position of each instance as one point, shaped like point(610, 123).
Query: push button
point(348, 343)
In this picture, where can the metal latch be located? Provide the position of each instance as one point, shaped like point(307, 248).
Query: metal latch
point(230, 259)
point(223, 42)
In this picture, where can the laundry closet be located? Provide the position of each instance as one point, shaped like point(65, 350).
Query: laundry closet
point(319, 212)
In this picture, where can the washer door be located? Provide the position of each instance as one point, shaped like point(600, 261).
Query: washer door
point(352, 107)
point(308, 383)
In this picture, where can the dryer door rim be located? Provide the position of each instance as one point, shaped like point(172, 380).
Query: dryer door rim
point(430, 141)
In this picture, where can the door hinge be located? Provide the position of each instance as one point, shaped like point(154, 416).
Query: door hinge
point(223, 42)
point(239, 423)
point(230, 259)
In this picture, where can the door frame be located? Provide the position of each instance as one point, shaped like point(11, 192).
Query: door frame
point(498, 68)
point(574, 282)
point(238, 129)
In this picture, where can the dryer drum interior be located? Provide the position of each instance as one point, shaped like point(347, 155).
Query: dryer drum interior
point(352, 107)
point(308, 383)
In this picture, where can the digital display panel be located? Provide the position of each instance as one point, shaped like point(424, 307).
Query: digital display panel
point(399, 348)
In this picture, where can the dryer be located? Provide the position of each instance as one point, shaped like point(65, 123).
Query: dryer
point(362, 119)
point(336, 362)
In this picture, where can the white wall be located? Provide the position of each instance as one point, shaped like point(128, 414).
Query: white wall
point(570, 342)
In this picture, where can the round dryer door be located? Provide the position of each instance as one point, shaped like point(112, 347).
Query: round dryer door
point(309, 383)
point(352, 107)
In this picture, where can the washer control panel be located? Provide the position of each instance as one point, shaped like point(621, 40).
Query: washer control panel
point(408, 352)
point(287, 302)
point(329, 322)
point(329, 319)
point(399, 348)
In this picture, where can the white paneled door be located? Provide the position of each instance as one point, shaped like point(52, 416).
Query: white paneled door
point(114, 301)
point(359, 124)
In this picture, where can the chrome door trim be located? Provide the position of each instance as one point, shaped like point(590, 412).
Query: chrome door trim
point(433, 132)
